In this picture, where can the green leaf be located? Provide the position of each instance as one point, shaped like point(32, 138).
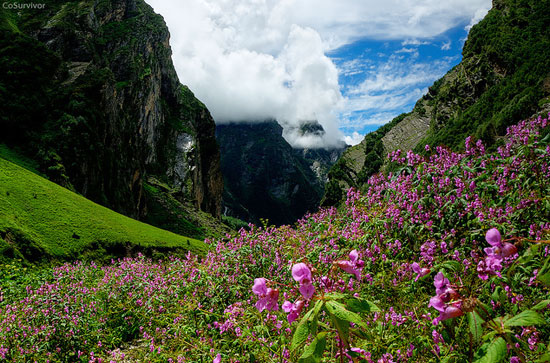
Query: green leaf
point(525, 318)
point(541, 305)
point(342, 327)
point(361, 305)
point(494, 351)
point(544, 359)
point(335, 295)
point(338, 310)
point(314, 351)
point(452, 266)
point(315, 316)
point(497, 295)
point(545, 279)
point(475, 322)
point(302, 332)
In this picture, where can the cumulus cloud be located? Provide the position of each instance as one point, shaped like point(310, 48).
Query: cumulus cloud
point(389, 87)
point(478, 15)
point(250, 60)
point(354, 139)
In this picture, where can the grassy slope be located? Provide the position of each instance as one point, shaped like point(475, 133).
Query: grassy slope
point(39, 217)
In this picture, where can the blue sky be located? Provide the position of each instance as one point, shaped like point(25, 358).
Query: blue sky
point(351, 65)
point(380, 79)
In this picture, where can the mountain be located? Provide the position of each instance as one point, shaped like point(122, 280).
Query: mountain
point(265, 178)
point(504, 76)
point(42, 220)
point(92, 95)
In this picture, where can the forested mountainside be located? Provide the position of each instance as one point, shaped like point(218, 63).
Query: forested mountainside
point(265, 178)
point(91, 94)
point(504, 76)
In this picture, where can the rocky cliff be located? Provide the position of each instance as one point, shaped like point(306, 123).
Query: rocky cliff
point(504, 76)
point(265, 178)
point(93, 95)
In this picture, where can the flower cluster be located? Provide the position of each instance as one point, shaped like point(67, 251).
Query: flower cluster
point(492, 264)
point(446, 299)
point(302, 274)
point(267, 296)
point(353, 266)
point(293, 310)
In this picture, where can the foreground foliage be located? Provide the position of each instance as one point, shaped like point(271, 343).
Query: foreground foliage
point(447, 260)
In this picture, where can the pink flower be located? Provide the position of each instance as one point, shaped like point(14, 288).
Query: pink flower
point(508, 249)
point(301, 273)
point(493, 237)
point(437, 303)
point(440, 283)
point(307, 290)
point(259, 287)
point(420, 271)
point(294, 310)
point(267, 296)
point(451, 311)
point(492, 265)
point(445, 299)
point(218, 358)
point(353, 266)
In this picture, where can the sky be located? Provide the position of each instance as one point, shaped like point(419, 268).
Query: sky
point(351, 65)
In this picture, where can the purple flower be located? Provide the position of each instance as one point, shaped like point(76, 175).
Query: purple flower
point(259, 287)
point(267, 296)
point(301, 273)
point(293, 310)
point(440, 283)
point(419, 271)
point(353, 266)
point(307, 290)
point(218, 358)
point(493, 237)
point(437, 303)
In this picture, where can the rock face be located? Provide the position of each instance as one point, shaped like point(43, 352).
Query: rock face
point(265, 177)
point(115, 111)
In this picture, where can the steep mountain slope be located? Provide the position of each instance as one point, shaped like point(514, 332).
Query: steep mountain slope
point(265, 177)
point(41, 220)
point(504, 76)
point(92, 94)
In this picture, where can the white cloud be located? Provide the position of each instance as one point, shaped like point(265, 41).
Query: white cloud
point(414, 42)
point(388, 88)
point(400, 75)
point(446, 45)
point(353, 139)
point(255, 59)
point(478, 15)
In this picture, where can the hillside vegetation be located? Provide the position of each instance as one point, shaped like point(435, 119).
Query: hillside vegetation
point(446, 260)
point(40, 220)
point(504, 76)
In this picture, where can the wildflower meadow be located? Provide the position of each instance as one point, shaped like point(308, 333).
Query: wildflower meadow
point(445, 259)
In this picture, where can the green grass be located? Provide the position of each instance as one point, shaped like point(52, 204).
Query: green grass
point(40, 219)
point(17, 158)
